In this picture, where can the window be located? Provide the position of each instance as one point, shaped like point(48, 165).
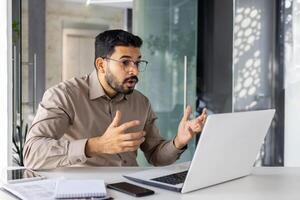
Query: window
point(290, 51)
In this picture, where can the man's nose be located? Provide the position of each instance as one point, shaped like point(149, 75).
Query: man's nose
point(133, 69)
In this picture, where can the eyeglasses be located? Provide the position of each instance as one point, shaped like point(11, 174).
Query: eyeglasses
point(126, 63)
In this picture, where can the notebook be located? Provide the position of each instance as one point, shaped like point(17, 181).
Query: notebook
point(66, 188)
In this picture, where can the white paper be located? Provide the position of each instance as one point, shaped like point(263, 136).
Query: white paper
point(35, 190)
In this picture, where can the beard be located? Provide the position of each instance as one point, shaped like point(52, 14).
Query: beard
point(125, 87)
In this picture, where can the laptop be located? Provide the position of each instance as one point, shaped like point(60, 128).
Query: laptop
point(227, 150)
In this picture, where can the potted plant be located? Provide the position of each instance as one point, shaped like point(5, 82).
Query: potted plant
point(19, 138)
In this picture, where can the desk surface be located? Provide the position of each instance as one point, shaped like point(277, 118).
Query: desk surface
point(264, 183)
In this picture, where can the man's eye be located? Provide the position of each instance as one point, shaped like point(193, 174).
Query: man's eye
point(126, 62)
point(138, 63)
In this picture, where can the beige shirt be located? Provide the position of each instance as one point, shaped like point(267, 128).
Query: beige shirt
point(78, 109)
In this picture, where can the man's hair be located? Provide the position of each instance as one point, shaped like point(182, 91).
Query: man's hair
point(106, 42)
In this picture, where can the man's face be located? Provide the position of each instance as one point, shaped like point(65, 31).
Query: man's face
point(120, 77)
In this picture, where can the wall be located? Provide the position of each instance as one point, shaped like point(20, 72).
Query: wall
point(5, 82)
point(59, 15)
point(292, 86)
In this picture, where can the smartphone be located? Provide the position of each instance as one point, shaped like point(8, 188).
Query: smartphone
point(21, 175)
point(130, 189)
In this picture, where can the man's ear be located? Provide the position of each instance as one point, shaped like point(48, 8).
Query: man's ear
point(99, 62)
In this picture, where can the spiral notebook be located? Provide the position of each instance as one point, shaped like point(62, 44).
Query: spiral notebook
point(66, 188)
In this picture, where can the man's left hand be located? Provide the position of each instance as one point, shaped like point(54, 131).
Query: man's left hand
point(187, 129)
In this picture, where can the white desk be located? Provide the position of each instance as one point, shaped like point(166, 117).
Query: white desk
point(265, 183)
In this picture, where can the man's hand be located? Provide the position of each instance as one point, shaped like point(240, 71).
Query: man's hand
point(188, 128)
point(115, 140)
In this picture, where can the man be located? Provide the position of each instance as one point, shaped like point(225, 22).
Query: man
point(100, 119)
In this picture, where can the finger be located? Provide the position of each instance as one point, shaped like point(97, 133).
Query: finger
point(194, 126)
point(133, 143)
point(204, 111)
point(133, 136)
point(128, 125)
point(191, 132)
point(116, 119)
point(187, 113)
point(197, 128)
point(202, 117)
point(127, 149)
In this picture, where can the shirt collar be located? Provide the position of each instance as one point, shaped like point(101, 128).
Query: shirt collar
point(96, 90)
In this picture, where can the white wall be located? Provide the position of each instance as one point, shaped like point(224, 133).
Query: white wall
point(5, 82)
point(292, 129)
point(292, 94)
point(60, 15)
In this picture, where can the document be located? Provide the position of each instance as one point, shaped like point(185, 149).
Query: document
point(47, 189)
point(35, 190)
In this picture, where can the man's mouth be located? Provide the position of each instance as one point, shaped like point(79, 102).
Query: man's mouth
point(131, 82)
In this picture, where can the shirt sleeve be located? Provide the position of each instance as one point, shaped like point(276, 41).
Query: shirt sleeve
point(157, 150)
point(45, 147)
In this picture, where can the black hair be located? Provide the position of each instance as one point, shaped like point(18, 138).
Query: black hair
point(106, 42)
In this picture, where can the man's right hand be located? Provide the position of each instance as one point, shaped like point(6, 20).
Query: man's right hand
point(115, 140)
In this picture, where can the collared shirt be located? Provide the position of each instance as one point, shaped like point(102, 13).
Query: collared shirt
point(78, 109)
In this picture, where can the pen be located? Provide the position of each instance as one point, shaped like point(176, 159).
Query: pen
point(100, 198)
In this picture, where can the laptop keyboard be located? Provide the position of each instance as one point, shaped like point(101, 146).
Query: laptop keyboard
point(172, 179)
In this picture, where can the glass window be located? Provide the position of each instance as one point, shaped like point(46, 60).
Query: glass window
point(169, 30)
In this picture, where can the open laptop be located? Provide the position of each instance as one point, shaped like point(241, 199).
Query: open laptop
point(226, 150)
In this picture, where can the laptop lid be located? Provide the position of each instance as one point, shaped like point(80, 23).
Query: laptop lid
point(227, 148)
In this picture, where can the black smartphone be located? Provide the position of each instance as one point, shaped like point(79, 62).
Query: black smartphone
point(130, 189)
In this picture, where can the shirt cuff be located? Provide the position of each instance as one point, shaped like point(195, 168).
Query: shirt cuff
point(76, 152)
point(173, 150)
point(182, 149)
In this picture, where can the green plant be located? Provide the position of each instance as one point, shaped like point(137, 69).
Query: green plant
point(177, 43)
point(19, 138)
point(16, 31)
